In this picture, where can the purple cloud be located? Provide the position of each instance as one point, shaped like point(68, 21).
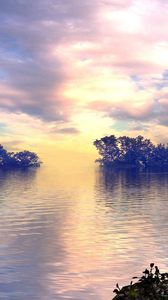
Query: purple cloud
point(39, 60)
point(28, 29)
point(66, 130)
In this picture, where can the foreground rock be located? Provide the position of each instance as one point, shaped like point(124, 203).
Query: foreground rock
point(153, 285)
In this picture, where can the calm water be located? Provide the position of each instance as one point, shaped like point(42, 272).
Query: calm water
point(73, 232)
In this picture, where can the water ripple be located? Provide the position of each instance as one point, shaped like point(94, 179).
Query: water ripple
point(74, 237)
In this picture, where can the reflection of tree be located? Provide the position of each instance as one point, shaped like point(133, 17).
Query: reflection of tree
point(134, 205)
point(24, 159)
point(131, 186)
point(31, 217)
point(20, 178)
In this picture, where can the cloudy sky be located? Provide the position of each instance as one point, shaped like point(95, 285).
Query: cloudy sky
point(72, 71)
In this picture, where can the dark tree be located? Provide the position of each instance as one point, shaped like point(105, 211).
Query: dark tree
point(24, 159)
point(126, 152)
point(3, 156)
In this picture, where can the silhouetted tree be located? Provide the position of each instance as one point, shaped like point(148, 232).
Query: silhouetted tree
point(131, 152)
point(24, 159)
point(3, 156)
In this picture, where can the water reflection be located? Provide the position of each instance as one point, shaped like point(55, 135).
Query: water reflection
point(134, 205)
point(132, 190)
point(70, 234)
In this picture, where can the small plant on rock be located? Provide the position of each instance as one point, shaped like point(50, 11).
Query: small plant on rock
point(152, 285)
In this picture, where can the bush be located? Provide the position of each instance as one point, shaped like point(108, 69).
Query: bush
point(151, 286)
point(24, 159)
point(125, 152)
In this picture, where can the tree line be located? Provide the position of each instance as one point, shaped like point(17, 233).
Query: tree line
point(23, 159)
point(128, 152)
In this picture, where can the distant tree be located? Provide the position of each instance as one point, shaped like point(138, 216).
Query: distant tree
point(131, 152)
point(3, 156)
point(24, 159)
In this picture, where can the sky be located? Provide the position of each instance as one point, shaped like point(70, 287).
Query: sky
point(73, 71)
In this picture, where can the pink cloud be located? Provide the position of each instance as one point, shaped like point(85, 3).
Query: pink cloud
point(123, 110)
point(89, 47)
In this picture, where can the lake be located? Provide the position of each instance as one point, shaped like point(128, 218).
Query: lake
point(74, 231)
